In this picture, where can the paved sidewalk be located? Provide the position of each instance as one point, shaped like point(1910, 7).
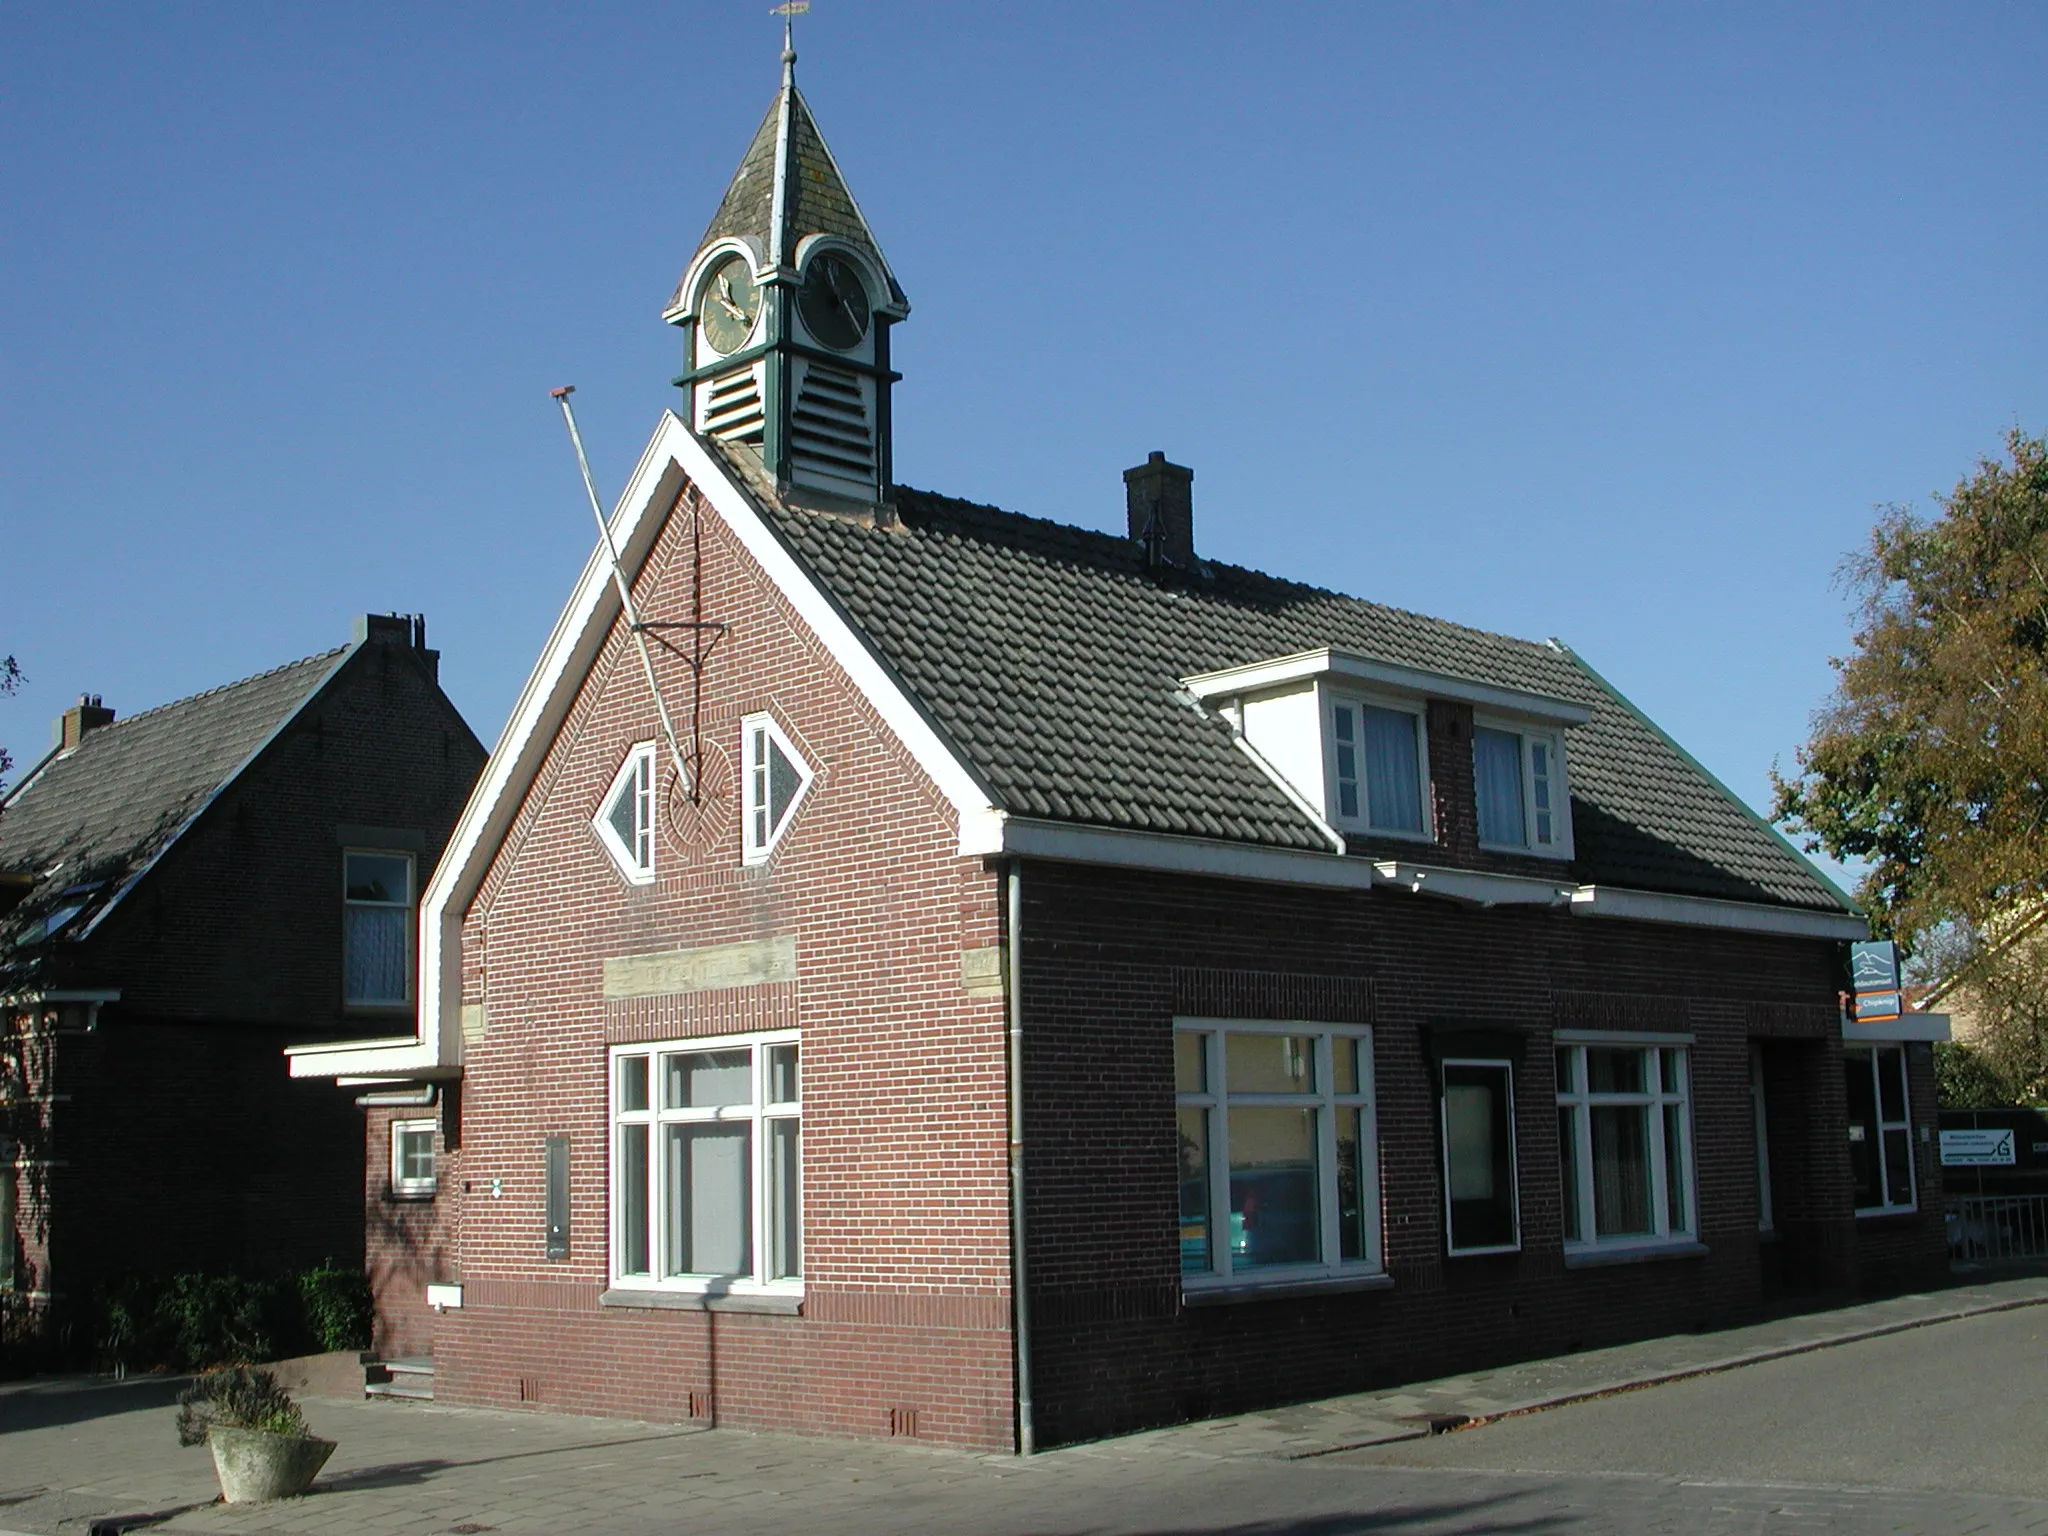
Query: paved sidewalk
point(75, 1451)
point(1411, 1412)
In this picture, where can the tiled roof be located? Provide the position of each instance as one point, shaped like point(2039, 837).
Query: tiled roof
point(98, 814)
point(1051, 659)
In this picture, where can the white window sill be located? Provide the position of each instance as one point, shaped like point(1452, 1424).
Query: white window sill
point(412, 1193)
point(778, 1303)
point(1632, 1253)
point(1886, 1210)
point(1235, 1291)
point(1360, 830)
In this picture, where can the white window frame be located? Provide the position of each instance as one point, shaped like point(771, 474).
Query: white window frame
point(411, 907)
point(1514, 1154)
point(639, 774)
point(1216, 1100)
point(1334, 699)
point(761, 1114)
point(1581, 1103)
point(1875, 1053)
point(757, 840)
point(1530, 734)
point(401, 1185)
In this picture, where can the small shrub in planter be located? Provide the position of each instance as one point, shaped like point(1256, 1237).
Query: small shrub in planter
point(261, 1446)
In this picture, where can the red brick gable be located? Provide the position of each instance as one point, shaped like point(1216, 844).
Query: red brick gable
point(905, 1205)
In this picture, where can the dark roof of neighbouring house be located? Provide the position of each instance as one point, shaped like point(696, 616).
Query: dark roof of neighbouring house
point(1051, 658)
point(83, 823)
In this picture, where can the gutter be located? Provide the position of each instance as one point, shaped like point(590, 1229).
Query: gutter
point(1020, 1287)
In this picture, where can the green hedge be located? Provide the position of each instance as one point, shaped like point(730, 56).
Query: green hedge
point(189, 1322)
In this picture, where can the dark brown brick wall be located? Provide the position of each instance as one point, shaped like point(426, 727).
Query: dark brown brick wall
point(1108, 956)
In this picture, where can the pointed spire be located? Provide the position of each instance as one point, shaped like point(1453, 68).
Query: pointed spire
point(788, 186)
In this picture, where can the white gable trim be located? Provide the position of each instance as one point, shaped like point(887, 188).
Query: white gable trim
point(672, 455)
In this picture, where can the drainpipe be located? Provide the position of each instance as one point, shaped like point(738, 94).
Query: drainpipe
point(1020, 1288)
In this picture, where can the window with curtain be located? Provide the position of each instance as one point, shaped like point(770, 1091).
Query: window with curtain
point(1624, 1134)
point(1279, 1168)
point(707, 1164)
point(412, 1158)
point(1376, 767)
point(1880, 1129)
point(377, 907)
point(1518, 783)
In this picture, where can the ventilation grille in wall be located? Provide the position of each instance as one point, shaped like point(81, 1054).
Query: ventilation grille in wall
point(832, 429)
point(729, 407)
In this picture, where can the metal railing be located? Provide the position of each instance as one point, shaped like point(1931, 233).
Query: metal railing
point(1998, 1226)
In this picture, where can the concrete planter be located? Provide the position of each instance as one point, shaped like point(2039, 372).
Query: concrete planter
point(254, 1464)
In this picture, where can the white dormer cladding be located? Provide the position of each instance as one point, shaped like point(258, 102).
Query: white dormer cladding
point(1347, 734)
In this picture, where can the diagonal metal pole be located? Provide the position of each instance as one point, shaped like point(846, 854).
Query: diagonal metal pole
point(632, 616)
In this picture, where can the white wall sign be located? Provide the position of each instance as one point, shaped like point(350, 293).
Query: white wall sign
point(1977, 1149)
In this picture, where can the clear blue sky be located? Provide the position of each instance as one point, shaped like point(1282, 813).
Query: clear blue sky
point(1606, 322)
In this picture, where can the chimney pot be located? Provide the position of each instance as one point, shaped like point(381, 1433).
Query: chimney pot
point(88, 714)
point(1160, 503)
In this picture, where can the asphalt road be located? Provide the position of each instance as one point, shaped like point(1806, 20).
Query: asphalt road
point(1938, 1431)
point(1959, 1407)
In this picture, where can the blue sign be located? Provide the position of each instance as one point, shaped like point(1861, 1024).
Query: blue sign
point(1874, 966)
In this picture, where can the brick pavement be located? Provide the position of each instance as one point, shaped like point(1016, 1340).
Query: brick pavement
point(73, 1451)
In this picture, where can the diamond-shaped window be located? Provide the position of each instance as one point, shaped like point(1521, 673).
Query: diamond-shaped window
point(776, 778)
point(625, 818)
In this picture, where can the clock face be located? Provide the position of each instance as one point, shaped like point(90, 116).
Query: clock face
point(731, 303)
point(833, 301)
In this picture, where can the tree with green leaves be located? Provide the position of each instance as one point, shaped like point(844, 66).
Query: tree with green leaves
point(10, 679)
point(1930, 761)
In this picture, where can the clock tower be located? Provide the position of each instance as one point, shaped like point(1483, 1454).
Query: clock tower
point(785, 312)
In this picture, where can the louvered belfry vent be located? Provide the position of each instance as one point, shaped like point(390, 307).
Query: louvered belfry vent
point(832, 430)
point(730, 407)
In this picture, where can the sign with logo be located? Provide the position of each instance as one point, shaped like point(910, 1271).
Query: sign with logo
point(1874, 975)
point(1977, 1149)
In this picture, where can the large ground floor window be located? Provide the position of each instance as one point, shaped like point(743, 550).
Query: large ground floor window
point(1279, 1166)
point(1624, 1134)
point(1880, 1129)
point(707, 1164)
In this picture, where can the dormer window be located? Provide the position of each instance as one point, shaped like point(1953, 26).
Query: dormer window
point(1377, 768)
point(1344, 736)
point(1518, 780)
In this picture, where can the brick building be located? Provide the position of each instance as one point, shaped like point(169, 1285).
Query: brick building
point(182, 892)
point(1006, 983)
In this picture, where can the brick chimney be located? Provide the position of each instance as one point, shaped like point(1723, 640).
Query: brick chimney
point(1160, 499)
point(405, 630)
point(88, 714)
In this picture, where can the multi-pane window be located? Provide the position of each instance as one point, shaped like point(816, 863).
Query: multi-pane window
point(1518, 781)
point(1481, 1210)
point(1376, 767)
point(1624, 1135)
point(1880, 1129)
point(377, 929)
point(776, 778)
point(625, 819)
point(412, 1157)
point(707, 1164)
point(1279, 1166)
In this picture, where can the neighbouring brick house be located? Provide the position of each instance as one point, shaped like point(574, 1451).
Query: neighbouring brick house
point(1013, 983)
point(181, 892)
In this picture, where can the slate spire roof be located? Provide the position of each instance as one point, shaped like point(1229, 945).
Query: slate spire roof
point(83, 824)
point(1051, 657)
point(788, 186)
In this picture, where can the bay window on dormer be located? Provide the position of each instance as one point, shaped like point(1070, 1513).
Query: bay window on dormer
point(1377, 767)
point(1518, 782)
